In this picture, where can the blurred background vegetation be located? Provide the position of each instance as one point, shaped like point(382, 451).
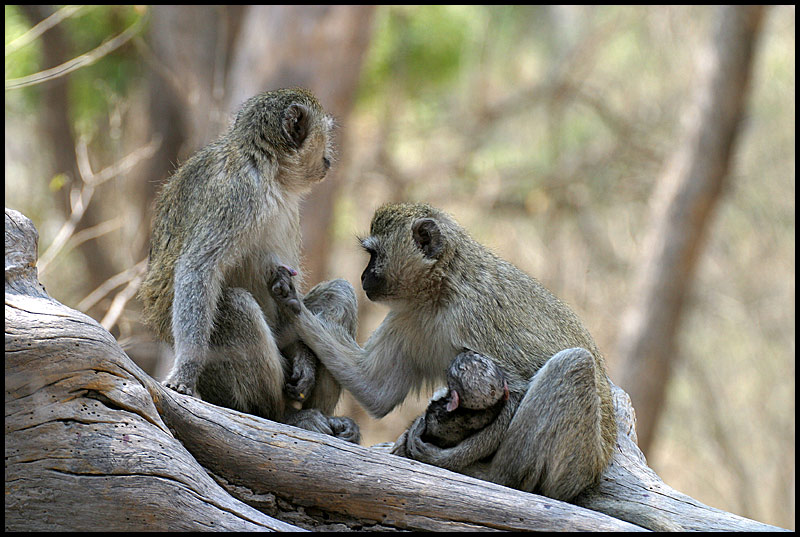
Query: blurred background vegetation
point(542, 129)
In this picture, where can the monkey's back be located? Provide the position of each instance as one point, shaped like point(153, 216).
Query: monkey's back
point(510, 313)
point(501, 311)
point(185, 203)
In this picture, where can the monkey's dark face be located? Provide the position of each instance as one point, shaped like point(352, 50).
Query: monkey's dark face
point(372, 279)
point(404, 247)
point(390, 272)
point(290, 127)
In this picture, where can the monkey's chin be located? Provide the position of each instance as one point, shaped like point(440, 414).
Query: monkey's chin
point(379, 297)
point(372, 295)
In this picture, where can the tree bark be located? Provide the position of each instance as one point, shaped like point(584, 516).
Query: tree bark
point(94, 442)
point(684, 201)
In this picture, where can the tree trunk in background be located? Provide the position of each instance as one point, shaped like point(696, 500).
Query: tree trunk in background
point(684, 200)
point(317, 47)
point(191, 46)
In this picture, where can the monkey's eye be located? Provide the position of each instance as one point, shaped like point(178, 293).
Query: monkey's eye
point(367, 249)
point(367, 245)
point(326, 162)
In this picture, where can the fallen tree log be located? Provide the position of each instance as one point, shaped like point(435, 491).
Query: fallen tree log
point(93, 442)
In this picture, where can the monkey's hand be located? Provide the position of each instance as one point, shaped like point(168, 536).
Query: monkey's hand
point(419, 450)
point(304, 373)
point(283, 290)
point(399, 448)
point(312, 419)
point(180, 388)
point(345, 428)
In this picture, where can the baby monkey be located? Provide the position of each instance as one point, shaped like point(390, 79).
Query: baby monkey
point(476, 392)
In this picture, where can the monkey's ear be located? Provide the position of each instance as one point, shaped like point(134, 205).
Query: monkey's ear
point(296, 119)
point(428, 237)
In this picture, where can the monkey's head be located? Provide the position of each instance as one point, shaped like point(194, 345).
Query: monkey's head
point(475, 382)
point(290, 128)
point(409, 246)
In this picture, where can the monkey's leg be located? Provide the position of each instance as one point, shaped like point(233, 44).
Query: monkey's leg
point(334, 302)
point(553, 445)
point(244, 368)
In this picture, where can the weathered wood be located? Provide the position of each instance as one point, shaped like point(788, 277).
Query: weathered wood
point(313, 469)
point(93, 442)
point(630, 490)
point(85, 446)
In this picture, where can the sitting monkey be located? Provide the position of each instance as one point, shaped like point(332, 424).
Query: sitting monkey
point(556, 433)
point(222, 224)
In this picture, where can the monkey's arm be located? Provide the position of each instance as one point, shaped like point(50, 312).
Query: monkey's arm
point(471, 450)
point(196, 292)
point(376, 375)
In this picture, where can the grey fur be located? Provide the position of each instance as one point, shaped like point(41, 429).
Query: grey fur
point(447, 292)
point(223, 223)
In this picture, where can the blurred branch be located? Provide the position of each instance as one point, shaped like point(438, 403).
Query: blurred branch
point(689, 189)
point(121, 298)
point(158, 66)
point(83, 60)
point(80, 198)
point(112, 283)
point(32, 34)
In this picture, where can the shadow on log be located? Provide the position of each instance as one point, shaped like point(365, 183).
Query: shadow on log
point(94, 442)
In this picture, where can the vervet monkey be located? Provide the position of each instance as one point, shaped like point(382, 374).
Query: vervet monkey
point(223, 222)
point(446, 292)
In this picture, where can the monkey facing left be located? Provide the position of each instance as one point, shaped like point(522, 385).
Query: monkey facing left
point(223, 223)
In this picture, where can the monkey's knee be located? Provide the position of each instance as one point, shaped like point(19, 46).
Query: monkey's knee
point(577, 364)
point(554, 445)
point(335, 302)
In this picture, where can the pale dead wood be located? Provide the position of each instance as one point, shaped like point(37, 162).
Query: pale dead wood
point(93, 442)
point(85, 446)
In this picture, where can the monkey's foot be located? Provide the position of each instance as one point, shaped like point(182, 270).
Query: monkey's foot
point(283, 290)
point(345, 428)
point(313, 419)
point(180, 388)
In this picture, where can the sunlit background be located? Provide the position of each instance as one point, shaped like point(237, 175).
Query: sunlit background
point(543, 130)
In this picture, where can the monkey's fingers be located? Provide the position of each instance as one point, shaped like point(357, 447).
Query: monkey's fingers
point(285, 295)
point(418, 449)
point(283, 290)
point(180, 388)
point(300, 384)
point(287, 268)
point(399, 448)
point(345, 428)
